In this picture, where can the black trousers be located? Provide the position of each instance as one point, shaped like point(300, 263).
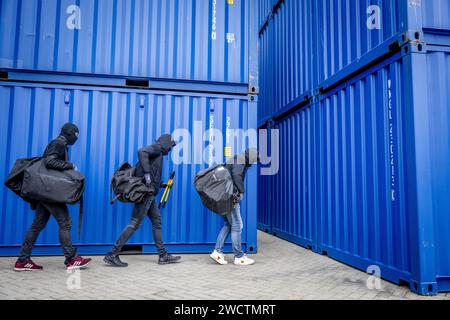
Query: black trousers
point(149, 208)
point(41, 218)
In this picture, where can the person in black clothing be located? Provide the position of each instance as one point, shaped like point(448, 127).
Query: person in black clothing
point(56, 158)
point(149, 168)
point(237, 166)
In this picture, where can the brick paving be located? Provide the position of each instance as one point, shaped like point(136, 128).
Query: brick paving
point(282, 271)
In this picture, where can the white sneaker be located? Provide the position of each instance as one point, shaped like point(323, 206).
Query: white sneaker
point(244, 261)
point(219, 258)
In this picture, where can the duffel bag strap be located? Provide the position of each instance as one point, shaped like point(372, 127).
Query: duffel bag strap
point(80, 217)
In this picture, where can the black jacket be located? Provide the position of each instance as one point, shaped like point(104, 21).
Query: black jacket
point(238, 166)
point(55, 155)
point(151, 160)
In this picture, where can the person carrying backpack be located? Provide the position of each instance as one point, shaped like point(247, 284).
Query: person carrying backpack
point(149, 168)
point(55, 158)
point(237, 166)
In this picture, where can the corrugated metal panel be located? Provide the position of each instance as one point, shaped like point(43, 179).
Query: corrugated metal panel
point(292, 204)
point(189, 39)
point(438, 77)
point(286, 63)
point(429, 168)
point(436, 13)
point(362, 177)
point(264, 10)
point(113, 125)
point(385, 169)
point(343, 33)
point(374, 154)
point(308, 46)
point(265, 105)
point(263, 217)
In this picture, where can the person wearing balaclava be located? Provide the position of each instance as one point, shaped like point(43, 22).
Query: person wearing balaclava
point(55, 158)
point(237, 166)
point(149, 168)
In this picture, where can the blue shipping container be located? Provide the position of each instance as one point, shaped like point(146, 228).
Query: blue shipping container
point(308, 46)
point(114, 123)
point(367, 171)
point(286, 58)
point(189, 39)
point(264, 10)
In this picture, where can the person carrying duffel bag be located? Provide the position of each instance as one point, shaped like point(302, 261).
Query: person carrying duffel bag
point(140, 185)
point(38, 188)
point(237, 167)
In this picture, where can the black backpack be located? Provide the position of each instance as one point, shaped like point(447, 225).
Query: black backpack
point(128, 187)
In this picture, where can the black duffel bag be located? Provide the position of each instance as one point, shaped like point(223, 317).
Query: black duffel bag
point(215, 187)
point(33, 182)
point(127, 187)
point(14, 180)
point(53, 186)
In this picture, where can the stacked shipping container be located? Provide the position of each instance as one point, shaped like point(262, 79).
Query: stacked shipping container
point(365, 148)
point(125, 72)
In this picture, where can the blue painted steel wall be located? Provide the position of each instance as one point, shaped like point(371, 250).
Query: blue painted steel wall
point(308, 45)
point(385, 162)
point(264, 212)
point(435, 14)
point(365, 172)
point(343, 35)
point(292, 204)
point(374, 140)
point(264, 10)
point(363, 216)
point(113, 126)
point(146, 38)
point(287, 68)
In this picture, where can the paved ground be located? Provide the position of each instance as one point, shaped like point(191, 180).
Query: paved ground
point(283, 271)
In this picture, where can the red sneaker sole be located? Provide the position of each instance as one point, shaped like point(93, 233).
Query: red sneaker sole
point(25, 269)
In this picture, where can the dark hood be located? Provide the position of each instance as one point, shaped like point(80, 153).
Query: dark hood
point(251, 156)
point(247, 158)
point(70, 132)
point(166, 143)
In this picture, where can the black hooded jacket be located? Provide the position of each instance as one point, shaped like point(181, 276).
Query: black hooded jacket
point(238, 166)
point(55, 155)
point(151, 160)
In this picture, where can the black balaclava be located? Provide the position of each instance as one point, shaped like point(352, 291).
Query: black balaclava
point(70, 132)
point(166, 143)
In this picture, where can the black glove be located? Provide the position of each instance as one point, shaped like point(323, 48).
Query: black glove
point(163, 185)
point(148, 179)
point(236, 199)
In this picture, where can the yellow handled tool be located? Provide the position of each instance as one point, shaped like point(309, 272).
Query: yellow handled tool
point(167, 190)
